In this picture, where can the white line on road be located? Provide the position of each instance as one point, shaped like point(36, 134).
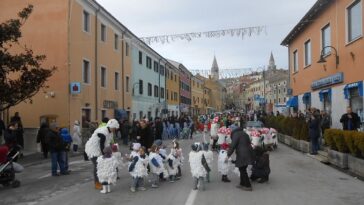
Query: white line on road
point(45, 176)
point(191, 197)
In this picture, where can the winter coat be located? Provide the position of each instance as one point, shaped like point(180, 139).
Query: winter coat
point(76, 137)
point(213, 131)
point(197, 169)
point(119, 160)
point(138, 167)
point(223, 166)
point(67, 139)
point(106, 169)
point(100, 139)
point(314, 128)
point(355, 121)
point(261, 166)
point(158, 130)
point(146, 137)
point(41, 135)
point(242, 145)
point(209, 155)
point(56, 143)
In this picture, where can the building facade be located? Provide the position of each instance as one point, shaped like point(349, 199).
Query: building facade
point(172, 89)
point(330, 33)
point(197, 86)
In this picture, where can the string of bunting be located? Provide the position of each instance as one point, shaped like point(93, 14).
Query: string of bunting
point(235, 32)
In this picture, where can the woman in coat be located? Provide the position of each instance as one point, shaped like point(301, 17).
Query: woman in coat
point(41, 138)
point(76, 136)
point(314, 132)
point(241, 144)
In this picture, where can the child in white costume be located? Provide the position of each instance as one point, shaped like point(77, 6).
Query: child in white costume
point(179, 155)
point(155, 164)
point(172, 167)
point(224, 165)
point(163, 155)
point(209, 155)
point(138, 170)
point(106, 170)
point(198, 165)
point(117, 155)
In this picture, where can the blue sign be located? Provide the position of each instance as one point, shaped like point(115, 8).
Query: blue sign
point(75, 88)
point(330, 80)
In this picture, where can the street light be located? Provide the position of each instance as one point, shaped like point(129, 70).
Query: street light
point(322, 56)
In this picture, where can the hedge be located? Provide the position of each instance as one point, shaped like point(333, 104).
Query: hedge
point(345, 141)
point(295, 127)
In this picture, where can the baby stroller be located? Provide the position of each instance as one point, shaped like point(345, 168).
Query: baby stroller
point(7, 172)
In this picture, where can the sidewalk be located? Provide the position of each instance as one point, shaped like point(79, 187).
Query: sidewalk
point(30, 159)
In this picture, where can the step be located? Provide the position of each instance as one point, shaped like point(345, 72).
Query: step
point(319, 157)
point(323, 153)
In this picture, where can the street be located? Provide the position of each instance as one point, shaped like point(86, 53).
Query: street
point(295, 179)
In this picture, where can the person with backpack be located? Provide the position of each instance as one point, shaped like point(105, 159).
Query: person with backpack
point(67, 141)
point(57, 150)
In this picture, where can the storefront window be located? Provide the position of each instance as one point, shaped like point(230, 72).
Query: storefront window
point(356, 102)
point(327, 103)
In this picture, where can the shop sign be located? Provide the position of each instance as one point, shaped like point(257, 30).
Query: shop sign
point(110, 104)
point(330, 80)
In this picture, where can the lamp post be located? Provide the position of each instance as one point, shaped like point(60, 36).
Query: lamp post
point(322, 56)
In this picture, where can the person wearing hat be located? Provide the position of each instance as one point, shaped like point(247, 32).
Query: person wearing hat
point(100, 139)
point(145, 135)
point(107, 170)
point(223, 164)
point(57, 150)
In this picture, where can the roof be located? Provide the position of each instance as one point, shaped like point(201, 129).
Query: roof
point(214, 66)
point(179, 66)
point(309, 17)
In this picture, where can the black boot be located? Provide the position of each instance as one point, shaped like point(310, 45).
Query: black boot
point(223, 178)
point(227, 179)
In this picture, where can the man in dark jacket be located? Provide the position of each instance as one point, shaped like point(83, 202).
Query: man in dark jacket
point(158, 128)
point(244, 156)
point(350, 120)
point(41, 138)
point(124, 131)
point(56, 148)
point(314, 132)
point(145, 135)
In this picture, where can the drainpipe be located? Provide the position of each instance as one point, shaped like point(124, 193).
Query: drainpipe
point(96, 64)
point(122, 70)
point(69, 58)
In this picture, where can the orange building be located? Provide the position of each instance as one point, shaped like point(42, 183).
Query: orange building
point(172, 89)
point(325, 58)
point(87, 45)
point(197, 86)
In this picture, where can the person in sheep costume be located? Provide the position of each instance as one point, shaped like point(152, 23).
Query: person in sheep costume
point(213, 131)
point(163, 155)
point(100, 139)
point(209, 155)
point(173, 164)
point(106, 170)
point(199, 167)
point(117, 155)
point(138, 170)
point(224, 164)
point(155, 164)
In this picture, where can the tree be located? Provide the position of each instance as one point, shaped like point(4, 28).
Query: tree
point(21, 73)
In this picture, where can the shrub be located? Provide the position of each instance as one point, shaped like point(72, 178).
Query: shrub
point(350, 138)
point(339, 139)
point(359, 142)
point(329, 138)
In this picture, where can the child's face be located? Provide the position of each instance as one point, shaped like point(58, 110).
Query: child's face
point(141, 151)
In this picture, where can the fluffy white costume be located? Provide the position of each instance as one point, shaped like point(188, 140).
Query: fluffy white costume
point(223, 167)
point(140, 169)
point(163, 152)
point(153, 168)
point(179, 155)
point(209, 156)
point(213, 131)
point(119, 160)
point(174, 169)
point(106, 169)
point(197, 169)
point(92, 147)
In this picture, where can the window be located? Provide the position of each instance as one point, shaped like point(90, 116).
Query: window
point(86, 21)
point(116, 41)
point(167, 73)
point(326, 39)
point(193, 82)
point(308, 54)
point(162, 93)
point(149, 89)
point(172, 95)
point(103, 77)
point(141, 87)
point(161, 70)
point(127, 83)
point(167, 94)
point(175, 96)
point(354, 21)
point(156, 91)
point(126, 49)
point(141, 115)
point(116, 81)
point(149, 62)
point(295, 61)
point(155, 66)
point(86, 72)
point(175, 78)
point(103, 114)
point(103, 32)
point(140, 58)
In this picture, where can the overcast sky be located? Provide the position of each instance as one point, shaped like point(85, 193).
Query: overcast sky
point(158, 17)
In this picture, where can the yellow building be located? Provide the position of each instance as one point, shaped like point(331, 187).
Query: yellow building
point(172, 89)
point(197, 86)
point(86, 43)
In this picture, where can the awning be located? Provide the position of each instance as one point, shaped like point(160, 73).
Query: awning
point(292, 102)
point(325, 92)
point(358, 85)
point(306, 98)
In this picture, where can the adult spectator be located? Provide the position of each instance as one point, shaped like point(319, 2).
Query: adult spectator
point(76, 136)
point(314, 132)
point(325, 122)
point(57, 150)
point(158, 128)
point(124, 131)
point(16, 118)
point(145, 134)
point(100, 139)
point(244, 156)
point(42, 139)
point(2, 129)
point(67, 142)
point(350, 120)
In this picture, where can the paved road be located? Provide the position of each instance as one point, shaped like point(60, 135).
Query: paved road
point(295, 179)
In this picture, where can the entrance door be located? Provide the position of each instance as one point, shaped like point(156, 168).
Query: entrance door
point(356, 102)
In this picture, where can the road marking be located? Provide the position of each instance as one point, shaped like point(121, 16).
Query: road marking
point(191, 197)
point(45, 176)
point(76, 162)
